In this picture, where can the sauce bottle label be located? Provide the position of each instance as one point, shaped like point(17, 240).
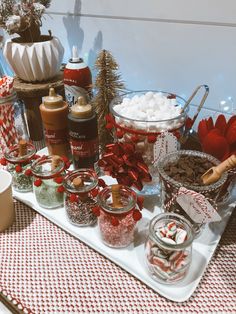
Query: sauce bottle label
point(55, 137)
point(72, 93)
point(84, 149)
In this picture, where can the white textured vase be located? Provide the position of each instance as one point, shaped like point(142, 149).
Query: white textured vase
point(37, 61)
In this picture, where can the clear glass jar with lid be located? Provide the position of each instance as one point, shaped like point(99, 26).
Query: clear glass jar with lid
point(18, 159)
point(81, 188)
point(117, 215)
point(168, 247)
point(49, 172)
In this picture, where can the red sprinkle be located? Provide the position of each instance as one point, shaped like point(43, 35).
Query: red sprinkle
point(109, 126)
point(94, 192)
point(38, 182)
point(119, 133)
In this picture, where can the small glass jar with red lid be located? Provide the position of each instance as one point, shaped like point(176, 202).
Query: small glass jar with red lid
point(81, 188)
point(117, 215)
point(49, 172)
point(18, 159)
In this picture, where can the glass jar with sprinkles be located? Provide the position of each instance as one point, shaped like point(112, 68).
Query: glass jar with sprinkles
point(117, 215)
point(81, 188)
point(48, 172)
point(18, 159)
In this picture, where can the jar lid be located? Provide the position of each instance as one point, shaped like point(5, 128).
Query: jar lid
point(127, 200)
point(80, 181)
point(81, 109)
point(20, 153)
point(53, 100)
point(46, 168)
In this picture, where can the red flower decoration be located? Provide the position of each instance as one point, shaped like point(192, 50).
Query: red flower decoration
point(58, 180)
point(38, 182)
point(18, 168)
point(96, 211)
point(28, 172)
point(94, 192)
point(60, 189)
point(114, 221)
point(3, 161)
point(119, 133)
point(73, 198)
point(218, 139)
point(137, 215)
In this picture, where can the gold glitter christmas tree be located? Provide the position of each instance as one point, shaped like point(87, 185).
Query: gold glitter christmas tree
point(108, 85)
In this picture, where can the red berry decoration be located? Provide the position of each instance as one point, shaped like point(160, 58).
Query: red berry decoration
point(3, 161)
point(114, 221)
point(18, 168)
point(101, 183)
point(60, 189)
point(137, 215)
point(28, 172)
point(73, 198)
point(38, 182)
point(151, 138)
point(96, 211)
point(58, 180)
point(119, 133)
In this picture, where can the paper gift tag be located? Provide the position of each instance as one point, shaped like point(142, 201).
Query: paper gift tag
point(166, 143)
point(196, 206)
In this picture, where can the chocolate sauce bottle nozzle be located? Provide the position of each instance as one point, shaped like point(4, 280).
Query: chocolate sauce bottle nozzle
point(81, 109)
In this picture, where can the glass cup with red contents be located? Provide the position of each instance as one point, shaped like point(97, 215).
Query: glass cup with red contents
point(117, 215)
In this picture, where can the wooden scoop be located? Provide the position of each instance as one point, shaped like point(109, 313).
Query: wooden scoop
point(116, 199)
point(55, 162)
point(22, 148)
point(78, 183)
point(214, 173)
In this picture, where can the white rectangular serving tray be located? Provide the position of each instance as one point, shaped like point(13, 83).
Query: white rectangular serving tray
point(132, 258)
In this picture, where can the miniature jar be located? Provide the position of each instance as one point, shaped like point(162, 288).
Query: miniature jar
point(81, 188)
point(48, 172)
point(18, 159)
point(168, 247)
point(117, 223)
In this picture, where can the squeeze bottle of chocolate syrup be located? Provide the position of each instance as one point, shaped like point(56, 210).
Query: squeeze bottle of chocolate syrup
point(54, 113)
point(83, 134)
point(77, 79)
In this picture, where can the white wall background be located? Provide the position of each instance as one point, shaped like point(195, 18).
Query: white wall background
point(159, 44)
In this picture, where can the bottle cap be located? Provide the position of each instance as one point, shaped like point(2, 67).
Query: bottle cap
point(75, 55)
point(81, 109)
point(53, 100)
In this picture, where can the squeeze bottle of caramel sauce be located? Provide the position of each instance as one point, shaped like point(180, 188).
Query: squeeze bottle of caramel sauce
point(54, 113)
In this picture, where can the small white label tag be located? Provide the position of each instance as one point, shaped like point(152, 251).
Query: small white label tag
point(196, 206)
point(166, 143)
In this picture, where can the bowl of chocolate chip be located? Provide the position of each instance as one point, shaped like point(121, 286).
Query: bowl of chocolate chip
point(184, 168)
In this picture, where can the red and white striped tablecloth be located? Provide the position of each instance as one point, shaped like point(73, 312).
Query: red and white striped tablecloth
point(45, 270)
